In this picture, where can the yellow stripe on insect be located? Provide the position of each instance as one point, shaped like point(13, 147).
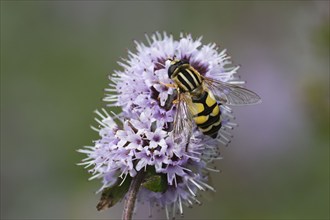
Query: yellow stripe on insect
point(181, 85)
point(201, 119)
point(210, 127)
point(210, 100)
point(187, 81)
point(199, 107)
point(215, 111)
point(193, 75)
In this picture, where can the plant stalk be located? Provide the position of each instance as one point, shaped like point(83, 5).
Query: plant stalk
point(131, 195)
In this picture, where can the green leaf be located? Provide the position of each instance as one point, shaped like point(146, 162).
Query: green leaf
point(155, 183)
point(111, 195)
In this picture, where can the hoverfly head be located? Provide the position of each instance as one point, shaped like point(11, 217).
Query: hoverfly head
point(174, 64)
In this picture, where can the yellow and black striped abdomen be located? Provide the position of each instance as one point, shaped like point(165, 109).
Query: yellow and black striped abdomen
point(206, 113)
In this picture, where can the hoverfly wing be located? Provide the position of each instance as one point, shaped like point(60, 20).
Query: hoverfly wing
point(183, 119)
point(231, 94)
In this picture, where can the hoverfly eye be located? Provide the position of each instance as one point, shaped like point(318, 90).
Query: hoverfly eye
point(171, 70)
point(184, 62)
point(173, 62)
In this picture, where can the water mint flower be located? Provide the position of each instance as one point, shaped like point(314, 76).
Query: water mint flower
point(140, 138)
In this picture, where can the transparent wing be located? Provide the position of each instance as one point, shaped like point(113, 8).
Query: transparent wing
point(183, 119)
point(231, 94)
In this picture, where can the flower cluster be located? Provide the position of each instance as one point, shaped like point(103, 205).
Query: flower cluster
point(139, 139)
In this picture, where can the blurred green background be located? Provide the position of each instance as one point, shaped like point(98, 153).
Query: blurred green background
point(55, 58)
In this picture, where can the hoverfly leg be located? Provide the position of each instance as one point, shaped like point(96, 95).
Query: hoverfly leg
point(176, 101)
point(169, 85)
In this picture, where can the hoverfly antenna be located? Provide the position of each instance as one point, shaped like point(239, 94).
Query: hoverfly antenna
point(162, 65)
point(171, 58)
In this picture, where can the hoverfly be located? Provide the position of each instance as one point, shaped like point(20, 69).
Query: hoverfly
point(198, 96)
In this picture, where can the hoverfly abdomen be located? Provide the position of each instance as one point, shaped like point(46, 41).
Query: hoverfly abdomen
point(206, 114)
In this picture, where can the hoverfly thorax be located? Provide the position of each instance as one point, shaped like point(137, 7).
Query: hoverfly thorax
point(184, 76)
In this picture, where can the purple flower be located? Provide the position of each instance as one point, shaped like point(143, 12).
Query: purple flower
point(142, 137)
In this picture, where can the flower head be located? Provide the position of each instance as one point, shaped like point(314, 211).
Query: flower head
point(141, 140)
